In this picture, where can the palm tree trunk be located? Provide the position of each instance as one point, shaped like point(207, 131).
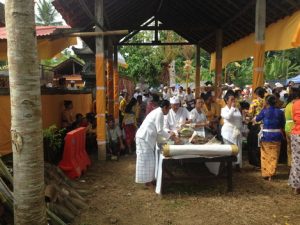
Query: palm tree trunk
point(26, 125)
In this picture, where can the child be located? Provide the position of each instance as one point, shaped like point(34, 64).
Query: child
point(114, 139)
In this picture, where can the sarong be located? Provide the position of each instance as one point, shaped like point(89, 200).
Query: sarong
point(129, 130)
point(294, 179)
point(252, 145)
point(145, 162)
point(240, 155)
point(269, 158)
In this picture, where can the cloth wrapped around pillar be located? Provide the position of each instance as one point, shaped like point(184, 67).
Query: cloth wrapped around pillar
point(200, 150)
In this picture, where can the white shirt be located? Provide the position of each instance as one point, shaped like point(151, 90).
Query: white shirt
point(197, 117)
point(152, 127)
point(181, 97)
point(173, 120)
point(232, 123)
point(282, 93)
point(113, 134)
point(166, 96)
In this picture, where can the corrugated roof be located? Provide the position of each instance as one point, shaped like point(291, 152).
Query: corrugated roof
point(41, 31)
point(195, 20)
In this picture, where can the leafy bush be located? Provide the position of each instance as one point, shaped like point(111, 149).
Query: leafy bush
point(53, 143)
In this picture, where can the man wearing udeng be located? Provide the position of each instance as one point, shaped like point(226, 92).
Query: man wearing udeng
point(146, 138)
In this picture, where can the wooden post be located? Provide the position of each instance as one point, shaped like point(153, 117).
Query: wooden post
point(259, 50)
point(218, 78)
point(116, 85)
point(100, 84)
point(110, 81)
point(197, 78)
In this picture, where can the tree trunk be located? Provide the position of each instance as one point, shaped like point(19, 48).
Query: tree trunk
point(26, 124)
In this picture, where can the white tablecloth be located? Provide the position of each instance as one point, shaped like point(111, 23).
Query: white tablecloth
point(213, 167)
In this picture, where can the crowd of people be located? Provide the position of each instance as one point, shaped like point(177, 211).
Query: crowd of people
point(267, 118)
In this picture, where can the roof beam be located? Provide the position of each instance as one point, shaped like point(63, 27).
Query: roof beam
point(129, 36)
point(156, 43)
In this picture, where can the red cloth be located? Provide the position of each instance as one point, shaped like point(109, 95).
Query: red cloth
point(130, 130)
point(296, 117)
point(150, 106)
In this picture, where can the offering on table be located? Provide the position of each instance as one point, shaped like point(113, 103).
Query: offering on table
point(198, 140)
point(186, 132)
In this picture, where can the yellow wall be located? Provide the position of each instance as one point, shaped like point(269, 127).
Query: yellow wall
point(52, 106)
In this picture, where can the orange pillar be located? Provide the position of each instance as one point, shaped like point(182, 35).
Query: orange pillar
point(116, 85)
point(110, 81)
point(100, 84)
point(259, 51)
point(218, 78)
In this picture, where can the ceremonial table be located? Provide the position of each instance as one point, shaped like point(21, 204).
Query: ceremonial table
point(193, 154)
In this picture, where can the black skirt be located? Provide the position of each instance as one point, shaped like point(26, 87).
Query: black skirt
point(252, 145)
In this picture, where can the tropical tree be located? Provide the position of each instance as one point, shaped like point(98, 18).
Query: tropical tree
point(46, 14)
point(26, 124)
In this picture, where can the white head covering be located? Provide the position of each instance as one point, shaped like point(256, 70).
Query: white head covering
point(278, 85)
point(136, 95)
point(266, 83)
point(125, 90)
point(174, 100)
point(165, 87)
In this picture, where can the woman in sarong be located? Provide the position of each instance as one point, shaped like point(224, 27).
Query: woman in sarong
point(254, 128)
point(130, 124)
point(294, 179)
point(272, 134)
point(289, 123)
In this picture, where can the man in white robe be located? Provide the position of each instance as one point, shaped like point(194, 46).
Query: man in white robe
point(146, 137)
point(176, 117)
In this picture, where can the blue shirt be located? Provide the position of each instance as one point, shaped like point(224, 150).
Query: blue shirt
point(272, 118)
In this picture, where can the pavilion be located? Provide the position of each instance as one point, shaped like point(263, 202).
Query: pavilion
point(230, 30)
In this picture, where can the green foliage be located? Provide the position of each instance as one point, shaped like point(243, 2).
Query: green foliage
point(143, 61)
point(282, 65)
point(46, 14)
point(53, 143)
point(147, 61)
point(54, 136)
point(240, 73)
point(279, 65)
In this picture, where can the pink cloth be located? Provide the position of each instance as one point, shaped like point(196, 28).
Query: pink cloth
point(150, 106)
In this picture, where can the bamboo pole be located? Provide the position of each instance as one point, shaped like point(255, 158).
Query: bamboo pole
point(96, 33)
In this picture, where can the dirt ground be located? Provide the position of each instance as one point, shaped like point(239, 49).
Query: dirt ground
point(116, 199)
